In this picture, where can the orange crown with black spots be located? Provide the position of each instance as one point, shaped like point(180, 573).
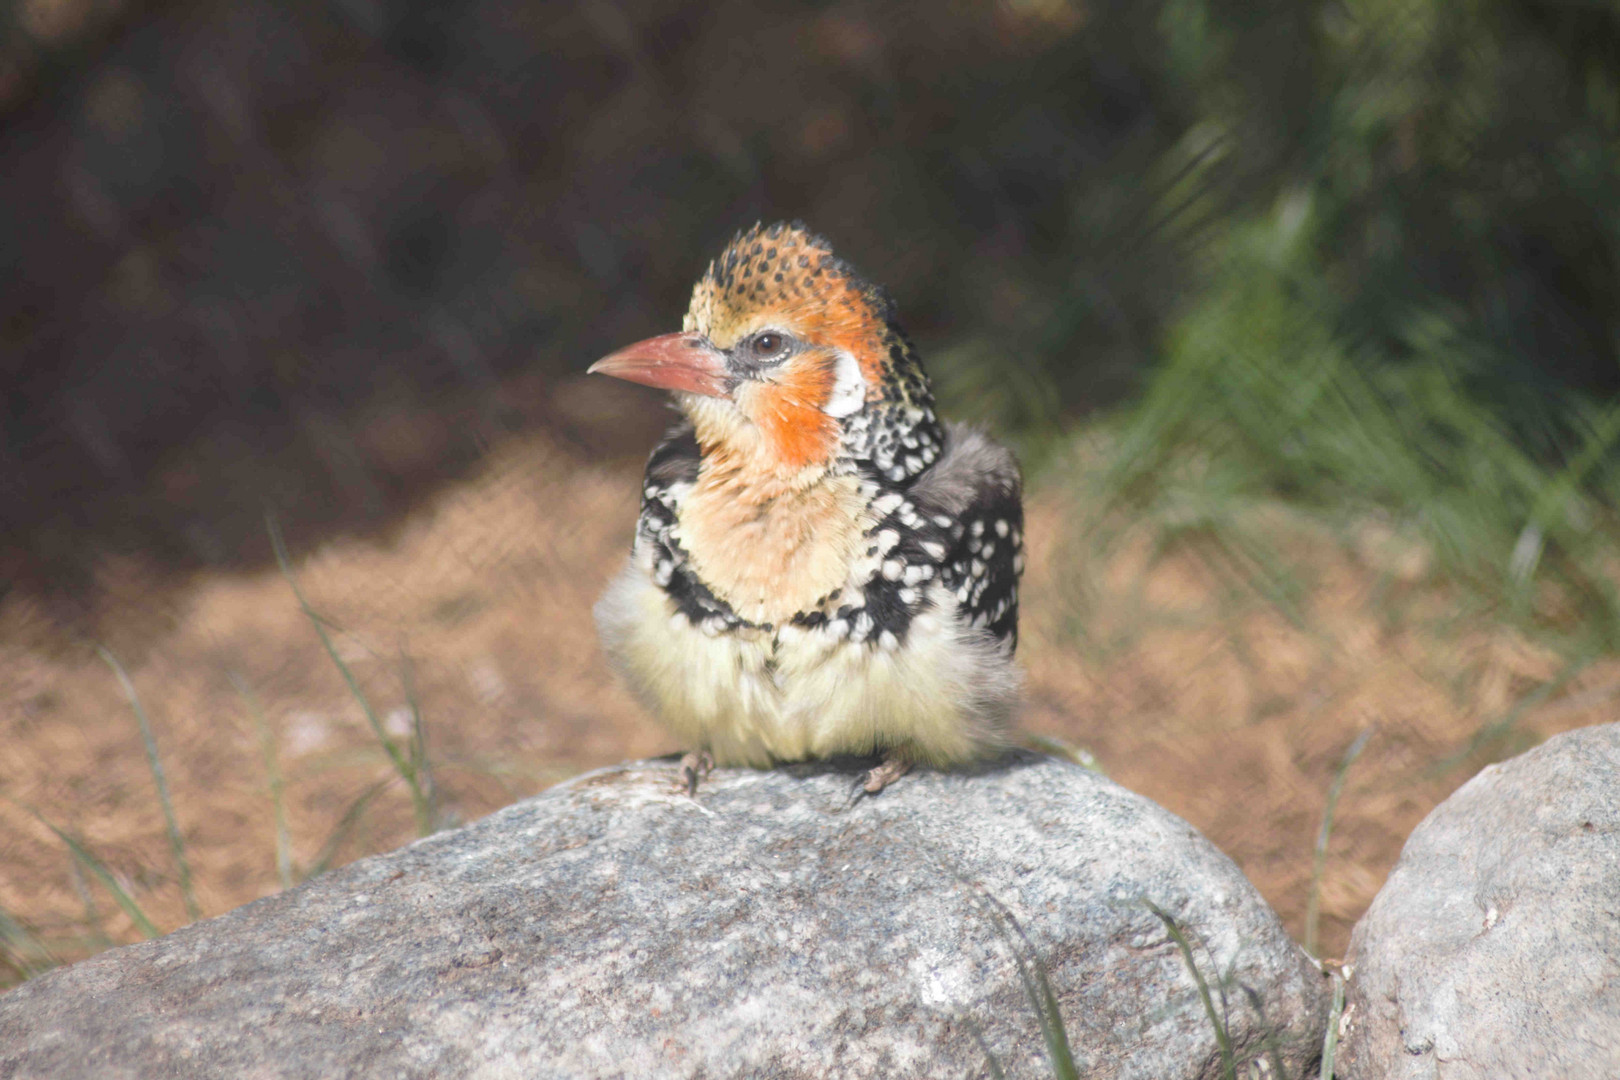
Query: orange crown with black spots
point(786, 273)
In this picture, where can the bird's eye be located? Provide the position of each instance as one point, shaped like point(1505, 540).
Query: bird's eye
point(767, 345)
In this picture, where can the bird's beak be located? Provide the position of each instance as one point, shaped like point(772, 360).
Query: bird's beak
point(670, 362)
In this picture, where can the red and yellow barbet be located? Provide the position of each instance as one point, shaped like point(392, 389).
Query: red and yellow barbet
point(821, 565)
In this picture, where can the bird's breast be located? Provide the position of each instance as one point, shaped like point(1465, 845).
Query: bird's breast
point(770, 557)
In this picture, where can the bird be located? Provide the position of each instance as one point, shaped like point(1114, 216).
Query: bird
point(821, 566)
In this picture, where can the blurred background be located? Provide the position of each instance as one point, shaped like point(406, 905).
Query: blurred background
point(1304, 318)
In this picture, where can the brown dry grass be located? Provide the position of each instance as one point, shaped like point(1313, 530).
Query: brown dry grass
point(1187, 686)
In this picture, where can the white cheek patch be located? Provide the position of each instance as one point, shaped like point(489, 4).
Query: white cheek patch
point(849, 388)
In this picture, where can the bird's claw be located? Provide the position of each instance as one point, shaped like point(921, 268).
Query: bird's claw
point(695, 765)
point(893, 768)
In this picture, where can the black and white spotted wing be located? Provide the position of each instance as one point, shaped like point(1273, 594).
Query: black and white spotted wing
point(976, 486)
point(982, 570)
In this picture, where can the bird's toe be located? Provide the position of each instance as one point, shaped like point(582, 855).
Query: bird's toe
point(695, 765)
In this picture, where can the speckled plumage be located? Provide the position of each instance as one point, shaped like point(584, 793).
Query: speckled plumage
point(820, 566)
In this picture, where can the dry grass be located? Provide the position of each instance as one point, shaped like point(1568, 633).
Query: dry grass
point(1188, 686)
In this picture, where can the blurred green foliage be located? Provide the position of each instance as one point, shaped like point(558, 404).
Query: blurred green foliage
point(1404, 292)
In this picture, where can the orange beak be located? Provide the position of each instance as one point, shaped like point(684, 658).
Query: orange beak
point(670, 362)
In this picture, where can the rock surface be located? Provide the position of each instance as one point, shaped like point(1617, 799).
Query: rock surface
point(614, 927)
point(1493, 951)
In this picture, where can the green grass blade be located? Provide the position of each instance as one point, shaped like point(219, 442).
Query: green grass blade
point(1313, 903)
point(176, 844)
point(95, 933)
point(23, 949)
point(401, 763)
point(1056, 747)
point(1037, 989)
point(110, 883)
point(340, 832)
point(272, 769)
point(1223, 1038)
point(1052, 1029)
point(423, 794)
point(1330, 1041)
point(1493, 730)
point(83, 856)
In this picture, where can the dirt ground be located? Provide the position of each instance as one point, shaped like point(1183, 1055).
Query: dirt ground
point(1203, 697)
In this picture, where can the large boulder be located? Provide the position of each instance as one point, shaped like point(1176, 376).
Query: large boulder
point(774, 925)
point(1493, 951)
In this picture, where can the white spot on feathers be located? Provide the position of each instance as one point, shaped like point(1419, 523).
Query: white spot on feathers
point(849, 388)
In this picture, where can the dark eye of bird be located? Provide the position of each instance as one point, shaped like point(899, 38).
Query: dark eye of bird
point(767, 345)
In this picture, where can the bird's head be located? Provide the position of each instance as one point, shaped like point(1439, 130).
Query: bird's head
point(789, 363)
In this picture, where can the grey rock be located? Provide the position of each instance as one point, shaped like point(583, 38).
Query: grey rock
point(773, 926)
point(1494, 948)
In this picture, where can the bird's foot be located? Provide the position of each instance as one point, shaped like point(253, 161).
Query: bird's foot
point(695, 765)
point(893, 768)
